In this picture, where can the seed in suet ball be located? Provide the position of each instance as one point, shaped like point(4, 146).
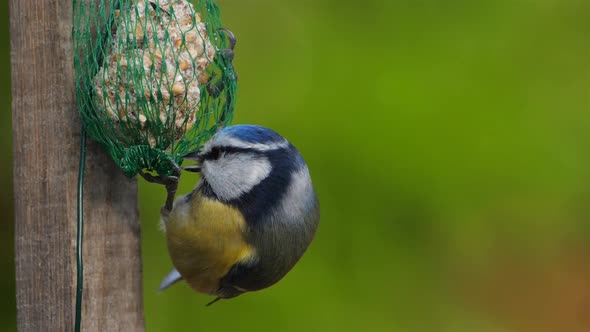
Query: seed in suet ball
point(148, 69)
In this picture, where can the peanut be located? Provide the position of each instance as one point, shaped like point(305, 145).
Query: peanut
point(178, 88)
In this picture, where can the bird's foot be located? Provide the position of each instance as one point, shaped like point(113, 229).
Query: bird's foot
point(170, 182)
point(216, 87)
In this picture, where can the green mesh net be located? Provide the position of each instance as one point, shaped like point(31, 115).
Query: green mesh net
point(154, 78)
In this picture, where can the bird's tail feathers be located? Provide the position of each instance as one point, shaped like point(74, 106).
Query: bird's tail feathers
point(172, 278)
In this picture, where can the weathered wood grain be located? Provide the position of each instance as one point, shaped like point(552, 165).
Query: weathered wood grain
point(46, 133)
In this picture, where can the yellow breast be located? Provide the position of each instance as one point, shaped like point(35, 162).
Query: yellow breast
point(205, 238)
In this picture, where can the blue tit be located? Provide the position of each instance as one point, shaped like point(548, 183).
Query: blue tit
point(249, 219)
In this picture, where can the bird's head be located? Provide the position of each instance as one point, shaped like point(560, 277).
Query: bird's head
point(240, 157)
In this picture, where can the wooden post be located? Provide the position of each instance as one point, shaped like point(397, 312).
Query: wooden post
point(46, 133)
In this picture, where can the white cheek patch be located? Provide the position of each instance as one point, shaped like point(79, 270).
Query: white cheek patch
point(233, 175)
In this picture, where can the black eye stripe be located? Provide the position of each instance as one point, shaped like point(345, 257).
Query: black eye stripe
point(231, 149)
point(215, 153)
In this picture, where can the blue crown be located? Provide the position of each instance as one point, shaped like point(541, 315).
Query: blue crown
point(252, 134)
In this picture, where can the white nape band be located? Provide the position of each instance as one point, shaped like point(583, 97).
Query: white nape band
point(233, 142)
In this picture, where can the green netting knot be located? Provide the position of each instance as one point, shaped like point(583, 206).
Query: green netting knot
point(137, 158)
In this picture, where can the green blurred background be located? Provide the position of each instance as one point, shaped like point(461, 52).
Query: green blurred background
point(449, 142)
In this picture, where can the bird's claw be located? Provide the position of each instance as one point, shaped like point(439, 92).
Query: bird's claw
point(163, 180)
point(170, 182)
point(215, 88)
point(231, 37)
point(229, 52)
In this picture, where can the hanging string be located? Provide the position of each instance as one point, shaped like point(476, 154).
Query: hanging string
point(80, 233)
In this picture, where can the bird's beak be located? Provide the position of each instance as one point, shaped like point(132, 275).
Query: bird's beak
point(195, 156)
point(192, 168)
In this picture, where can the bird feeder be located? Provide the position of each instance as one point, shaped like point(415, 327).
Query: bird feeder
point(154, 78)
